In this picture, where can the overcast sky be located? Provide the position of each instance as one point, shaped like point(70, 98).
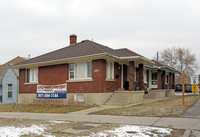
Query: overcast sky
point(36, 27)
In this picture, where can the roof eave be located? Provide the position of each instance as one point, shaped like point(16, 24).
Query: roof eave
point(148, 62)
point(54, 62)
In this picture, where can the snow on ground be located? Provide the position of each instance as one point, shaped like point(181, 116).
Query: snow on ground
point(180, 94)
point(134, 131)
point(11, 131)
point(57, 122)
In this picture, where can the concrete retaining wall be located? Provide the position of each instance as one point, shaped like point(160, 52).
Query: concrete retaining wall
point(137, 97)
point(155, 94)
point(121, 98)
point(169, 92)
point(89, 99)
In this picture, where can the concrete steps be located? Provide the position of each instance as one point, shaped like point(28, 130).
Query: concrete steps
point(119, 98)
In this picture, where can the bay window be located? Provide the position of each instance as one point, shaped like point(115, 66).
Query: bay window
point(80, 70)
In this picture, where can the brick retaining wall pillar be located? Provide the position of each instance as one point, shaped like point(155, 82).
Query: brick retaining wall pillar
point(159, 79)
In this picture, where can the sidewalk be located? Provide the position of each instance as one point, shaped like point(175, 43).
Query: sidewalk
point(191, 124)
point(193, 112)
point(179, 123)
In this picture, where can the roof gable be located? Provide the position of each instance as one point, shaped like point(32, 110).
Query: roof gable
point(13, 61)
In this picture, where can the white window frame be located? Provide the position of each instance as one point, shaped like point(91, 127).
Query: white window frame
point(33, 75)
point(10, 91)
point(155, 80)
point(75, 71)
point(79, 97)
point(109, 70)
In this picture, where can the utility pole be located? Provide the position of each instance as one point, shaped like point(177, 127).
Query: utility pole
point(157, 56)
point(183, 87)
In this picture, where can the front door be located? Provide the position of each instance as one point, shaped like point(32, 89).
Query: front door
point(153, 84)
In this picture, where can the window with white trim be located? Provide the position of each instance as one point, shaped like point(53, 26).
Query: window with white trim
point(31, 75)
point(154, 78)
point(9, 91)
point(80, 70)
point(71, 71)
point(78, 97)
point(109, 70)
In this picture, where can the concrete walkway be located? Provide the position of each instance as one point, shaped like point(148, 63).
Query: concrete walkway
point(193, 112)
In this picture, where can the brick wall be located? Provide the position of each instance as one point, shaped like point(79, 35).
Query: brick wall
point(52, 75)
point(25, 88)
point(58, 74)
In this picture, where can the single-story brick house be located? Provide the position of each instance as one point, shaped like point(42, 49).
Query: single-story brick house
point(91, 72)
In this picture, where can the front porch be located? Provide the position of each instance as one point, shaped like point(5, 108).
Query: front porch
point(123, 98)
point(135, 76)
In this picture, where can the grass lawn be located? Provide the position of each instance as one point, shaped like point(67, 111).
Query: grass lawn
point(41, 108)
point(165, 108)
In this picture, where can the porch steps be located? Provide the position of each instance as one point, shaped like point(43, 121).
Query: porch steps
point(119, 98)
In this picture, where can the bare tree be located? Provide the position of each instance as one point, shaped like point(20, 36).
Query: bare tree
point(180, 59)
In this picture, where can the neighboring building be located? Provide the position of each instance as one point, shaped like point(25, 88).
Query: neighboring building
point(9, 83)
point(160, 76)
point(92, 73)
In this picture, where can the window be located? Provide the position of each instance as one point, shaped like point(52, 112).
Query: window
point(78, 97)
point(32, 75)
point(80, 71)
point(109, 70)
point(154, 78)
point(71, 71)
point(9, 91)
point(89, 69)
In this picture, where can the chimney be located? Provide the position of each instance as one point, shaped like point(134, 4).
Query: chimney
point(72, 39)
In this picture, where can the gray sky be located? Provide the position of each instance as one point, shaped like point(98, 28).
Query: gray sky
point(145, 26)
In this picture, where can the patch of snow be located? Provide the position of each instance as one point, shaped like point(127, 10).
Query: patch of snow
point(57, 122)
point(11, 131)
point(134, 131)
point(180, 94)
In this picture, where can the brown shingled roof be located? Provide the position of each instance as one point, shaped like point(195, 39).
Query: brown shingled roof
point(126, 53)
point(84, 48)
point(158, 64)
point(13, 61)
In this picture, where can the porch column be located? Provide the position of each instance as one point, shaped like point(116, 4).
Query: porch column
point(159, 79)
point(173, 81)
point(170, 80)
point(141, 76)
point(147, 78)
point(131, 76)
point(163, 79)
